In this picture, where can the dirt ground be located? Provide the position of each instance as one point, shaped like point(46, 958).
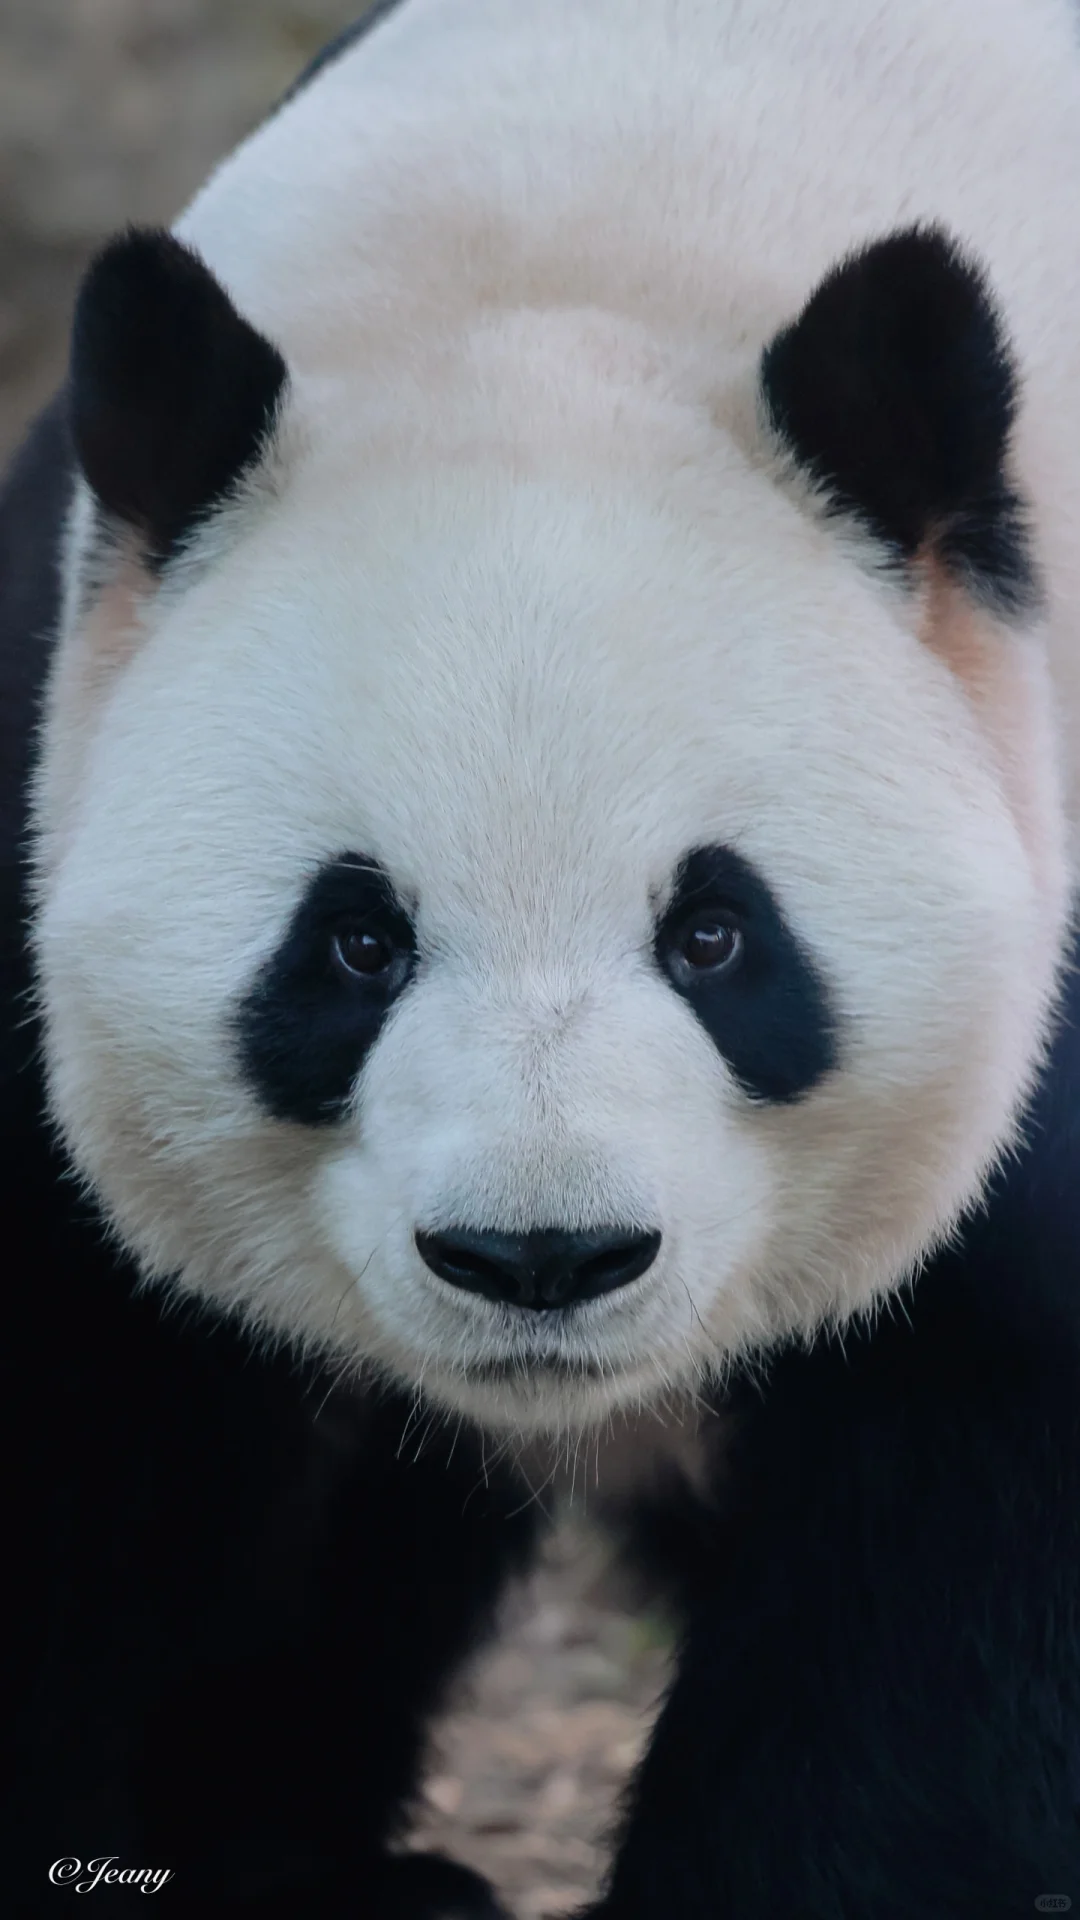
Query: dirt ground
point(529, 1767)
point(111, 111)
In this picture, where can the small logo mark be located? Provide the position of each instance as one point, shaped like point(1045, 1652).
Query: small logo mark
point(104, 1872)
point(1053, 1903)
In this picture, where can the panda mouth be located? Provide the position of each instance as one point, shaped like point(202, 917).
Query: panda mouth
point(522, 1368)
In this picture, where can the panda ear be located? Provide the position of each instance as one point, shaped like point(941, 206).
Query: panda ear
point(895, 391)
point(172, 392)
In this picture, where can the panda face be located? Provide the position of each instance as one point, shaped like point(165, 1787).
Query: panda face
point(536, 911)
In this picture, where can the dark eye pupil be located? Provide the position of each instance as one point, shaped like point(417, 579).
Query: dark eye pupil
point(710, 945)
point(358, 952)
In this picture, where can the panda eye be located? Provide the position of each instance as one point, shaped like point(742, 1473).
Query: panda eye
point(707, 944)
point(360, 953)
point(723, 944)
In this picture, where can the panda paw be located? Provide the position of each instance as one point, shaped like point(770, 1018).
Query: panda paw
point(428, 1886)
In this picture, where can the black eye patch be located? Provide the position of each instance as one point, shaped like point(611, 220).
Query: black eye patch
point(307, 1023)
point(728, 951)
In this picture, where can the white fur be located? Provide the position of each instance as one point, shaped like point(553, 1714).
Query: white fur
point(526, 608)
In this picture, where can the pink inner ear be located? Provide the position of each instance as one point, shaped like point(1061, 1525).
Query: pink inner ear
point(1002, 674)
point(110, 635)
point(953, 628)
point(105, 639)
point(988, 657)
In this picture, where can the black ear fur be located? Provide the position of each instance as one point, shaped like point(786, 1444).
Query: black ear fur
point(895, 390)
point(172, 391)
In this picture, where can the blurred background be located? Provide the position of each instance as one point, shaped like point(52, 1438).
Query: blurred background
point(114, 111)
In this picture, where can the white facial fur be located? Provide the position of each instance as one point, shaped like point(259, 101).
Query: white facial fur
point(526, 613)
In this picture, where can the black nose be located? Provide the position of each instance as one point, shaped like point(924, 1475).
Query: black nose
point(542, 1269)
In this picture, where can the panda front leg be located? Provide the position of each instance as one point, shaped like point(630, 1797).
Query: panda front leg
point(876, 1708)
point(453, 1529)
point(282, 1783)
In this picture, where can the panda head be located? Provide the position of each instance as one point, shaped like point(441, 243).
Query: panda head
point(549, 865)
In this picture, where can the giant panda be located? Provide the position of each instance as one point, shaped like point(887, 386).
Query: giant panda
point(542, 739)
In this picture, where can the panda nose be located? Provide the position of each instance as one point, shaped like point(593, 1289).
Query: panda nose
point(543, 1269)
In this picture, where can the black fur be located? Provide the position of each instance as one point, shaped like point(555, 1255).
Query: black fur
point(895, 390)
point(303, 1031)
point(232, 1595)
point(173, 394)
point(770, 1016)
